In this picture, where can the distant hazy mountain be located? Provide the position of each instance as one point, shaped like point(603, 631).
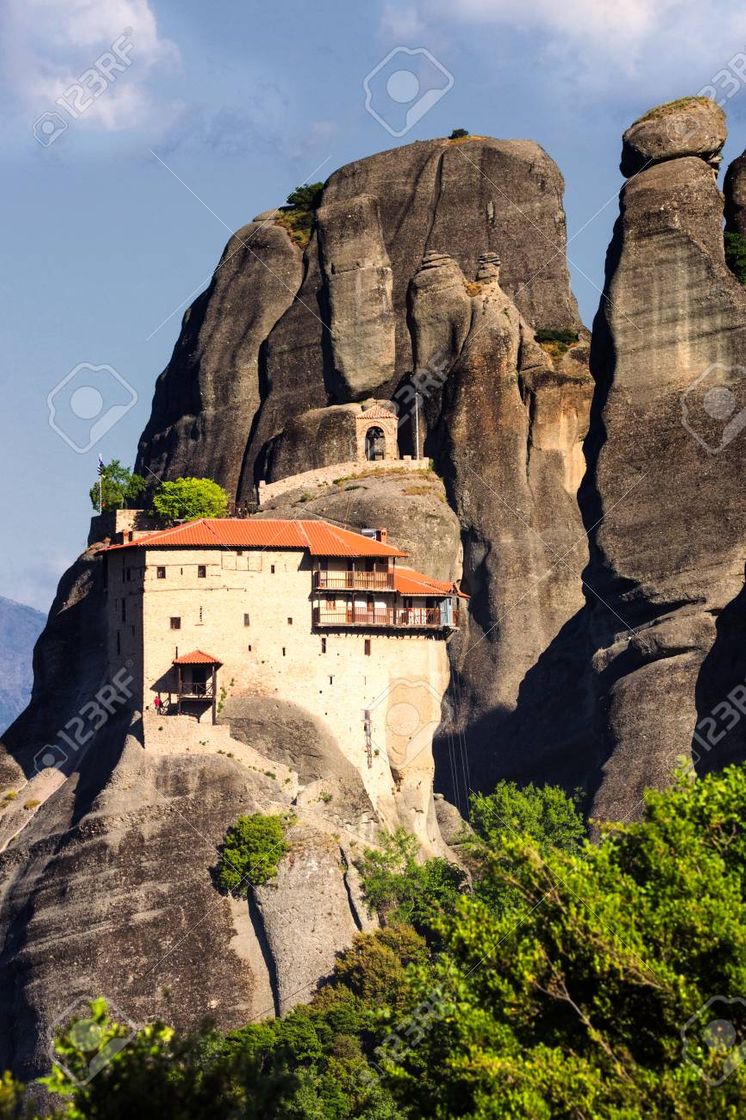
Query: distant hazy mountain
point(20, 626)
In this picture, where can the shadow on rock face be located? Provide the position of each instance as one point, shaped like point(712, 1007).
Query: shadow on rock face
point(719, 738)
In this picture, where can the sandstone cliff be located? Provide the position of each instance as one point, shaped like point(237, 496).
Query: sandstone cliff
point(663, 499)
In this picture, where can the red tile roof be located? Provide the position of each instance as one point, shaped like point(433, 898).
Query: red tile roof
point(409, 582)
point(196, 657)
point(318, 537)
point(378, 412)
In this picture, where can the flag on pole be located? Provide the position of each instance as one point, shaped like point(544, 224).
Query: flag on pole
point(101, 466)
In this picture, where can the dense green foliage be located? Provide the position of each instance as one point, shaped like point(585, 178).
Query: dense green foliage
point(120, 488)
point(458, 134)
point(608, 982)
point(187, 499)
point(400, 889)
point(567, 337)
point(735, 255)
point(298, 214)
point(251, 852)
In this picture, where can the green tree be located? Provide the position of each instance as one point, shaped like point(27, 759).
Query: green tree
point(544, 813)
point(399, 888)
point(597, 1001)
point(735, 255)
point(120, 488)
point(305, 197)
point(251, 852)
point(458, 134)
point(298, 214)
point(187, 499)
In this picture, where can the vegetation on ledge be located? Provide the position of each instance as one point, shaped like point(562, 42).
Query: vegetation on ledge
point(251, 853)
point(188, 499)
point(117, 487)
point(735, 255)
point(671, 106)
point(297, 216)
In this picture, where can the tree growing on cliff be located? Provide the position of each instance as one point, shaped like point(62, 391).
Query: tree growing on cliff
point(120, 487)
point(187, 499)
point(251, 853)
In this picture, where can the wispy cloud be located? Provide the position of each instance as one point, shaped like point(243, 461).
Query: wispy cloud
point(48, 44)
point(602, 42)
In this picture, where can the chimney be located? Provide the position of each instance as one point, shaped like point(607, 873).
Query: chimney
point(382, 535)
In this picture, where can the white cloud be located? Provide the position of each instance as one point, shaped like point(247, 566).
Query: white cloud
point(48, 44)
point(653, 42)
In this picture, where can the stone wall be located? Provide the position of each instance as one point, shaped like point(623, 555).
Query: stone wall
point(314, 480)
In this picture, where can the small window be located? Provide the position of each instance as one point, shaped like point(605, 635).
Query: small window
point(367, 647)
point(239, 552)
point(331, 680)
point(272, 569)
point(124, 610)
point(290, 622)
point(323, 645)
point(201, 571)
point(247, 620)
point(283, 651)
point(119, 642)
point(160, 572)
point(249, 649)
point(200, 614)
point(175, 623)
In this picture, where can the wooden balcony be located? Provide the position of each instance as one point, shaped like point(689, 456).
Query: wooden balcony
point(388, 618)
point(195, 690)
point(353, 581)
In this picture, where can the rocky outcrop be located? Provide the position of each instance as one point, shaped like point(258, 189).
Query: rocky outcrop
point(359, 286)
point(735, 196)
point(207, 397)
point(692, 126)
point(314, 439)
point(664, 496)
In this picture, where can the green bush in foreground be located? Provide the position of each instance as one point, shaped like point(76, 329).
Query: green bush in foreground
point(607, 982)
point(251, 853)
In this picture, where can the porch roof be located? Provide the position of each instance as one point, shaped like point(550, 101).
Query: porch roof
point(196, 657)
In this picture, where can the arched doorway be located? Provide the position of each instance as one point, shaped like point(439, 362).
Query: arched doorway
point(375, 444)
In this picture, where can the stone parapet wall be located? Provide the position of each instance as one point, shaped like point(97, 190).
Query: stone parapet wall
point(325, 476)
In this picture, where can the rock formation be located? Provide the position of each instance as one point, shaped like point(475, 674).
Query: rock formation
point(663, 499)
point(438, 267)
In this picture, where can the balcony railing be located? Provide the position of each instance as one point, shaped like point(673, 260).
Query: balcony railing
point(196, 690)
point(404, 618)
point(353, 581)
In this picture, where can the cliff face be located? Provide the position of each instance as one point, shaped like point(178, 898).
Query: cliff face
point(664, 494)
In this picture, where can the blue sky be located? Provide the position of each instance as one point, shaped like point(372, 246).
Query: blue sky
point(104, 246)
